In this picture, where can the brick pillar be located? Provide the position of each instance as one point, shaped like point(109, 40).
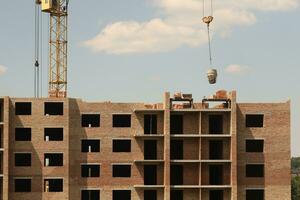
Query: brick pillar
point(200, 154)
point(233, 131)
point(167, 145)
point(6, 128)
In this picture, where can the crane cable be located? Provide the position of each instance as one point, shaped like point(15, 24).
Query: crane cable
point(207, 20)
point(36, 53)
point(41, 53)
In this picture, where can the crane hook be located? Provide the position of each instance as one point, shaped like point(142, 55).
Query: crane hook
point(207, 20)
point(212, 73)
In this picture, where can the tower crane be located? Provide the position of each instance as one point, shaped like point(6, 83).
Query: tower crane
point(58, 52)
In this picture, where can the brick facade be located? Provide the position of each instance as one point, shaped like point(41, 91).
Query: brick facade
point(197, 163)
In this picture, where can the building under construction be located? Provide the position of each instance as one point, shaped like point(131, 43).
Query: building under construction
point(215, 149)
point(180, 149)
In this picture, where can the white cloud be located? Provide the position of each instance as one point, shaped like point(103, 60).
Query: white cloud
point(237, 69)
point(3, 70)
point(153, 36)
point(180, 25)
point(264, 5)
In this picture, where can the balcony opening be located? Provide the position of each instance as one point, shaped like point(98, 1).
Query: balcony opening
point(53, 185)
point(255, 146)
point(53, 159)
point(53, 134)
point(150, 149)
point(121, 121)
point(150, 124)
point(255, 170)
point(176, 150)
point(23, 134)
point(257, 194)
point(90, 170)
point(22, 159)
point(121, 145)
point(90, 120)
point(121, 194)
point(176, 195)
point(90, 195)
point(216, 195)
point(54, 108)
point(89, 146)
point(123, 171)
point(256, 121)
point(150, 195)
point(176, 124)
point(215, 124)
point(216, 174)
point(23, 108)
point(22, 185)
point(215, 149)
point(150, 174)
point(176, 174)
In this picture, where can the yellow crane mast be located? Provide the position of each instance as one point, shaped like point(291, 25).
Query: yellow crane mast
point(58, 52)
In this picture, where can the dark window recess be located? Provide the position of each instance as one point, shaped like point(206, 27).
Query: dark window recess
point(215, 149)
point(150, 195)
point(121, 145)
point(216, 195)
point(121, 194)
point(54, 134)
point(255, 170)
point(23, 108)
point(23, 134)
point(90, 195)
point(53, 185)
point(90, 170)
point(176, 149)
point(121, 121)
point(1, 137)
point(254, 145)
point(255, 194)
point(22, 159)
point(150, 149)
point(176, 174)
point(22, 185)
point(150, 124)
point(176, 195)
point(215, 124)
point(150, 174)
point(90, 120)
point(53, 159)
point(121, 171)
point(90, 146)
point(54, 108)
point(255, 121)
point(176, 124)
point(1, 110)
point(216, 174)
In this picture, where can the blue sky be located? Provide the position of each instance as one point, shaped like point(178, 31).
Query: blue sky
point(135, 50)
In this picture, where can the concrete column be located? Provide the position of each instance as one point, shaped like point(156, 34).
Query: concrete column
point(167, 145)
